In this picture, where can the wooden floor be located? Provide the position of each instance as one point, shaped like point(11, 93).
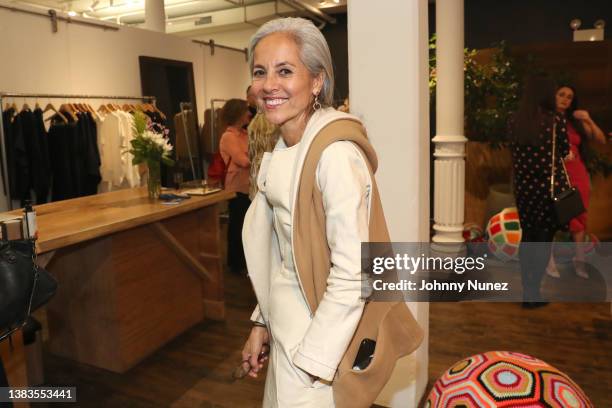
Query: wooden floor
point(195, 369)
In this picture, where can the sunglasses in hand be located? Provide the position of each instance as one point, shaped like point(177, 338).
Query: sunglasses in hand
point(245, 366)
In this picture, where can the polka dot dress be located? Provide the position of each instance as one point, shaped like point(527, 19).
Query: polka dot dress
point(532, 170)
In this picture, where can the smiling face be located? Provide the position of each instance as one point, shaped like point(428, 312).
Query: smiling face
point(282, 85)
point(564, 98)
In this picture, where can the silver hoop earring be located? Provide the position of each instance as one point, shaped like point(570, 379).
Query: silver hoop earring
point(316, 105)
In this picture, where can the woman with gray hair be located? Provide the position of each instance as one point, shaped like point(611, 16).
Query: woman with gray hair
point(317, 201)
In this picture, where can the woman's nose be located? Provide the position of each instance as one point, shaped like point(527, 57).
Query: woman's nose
point(270, 83)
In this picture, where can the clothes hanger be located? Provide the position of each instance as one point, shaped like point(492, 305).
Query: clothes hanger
point(158, 111)
point(92, 111)
point(25, 106)
point(67, 108)
point(59, 114)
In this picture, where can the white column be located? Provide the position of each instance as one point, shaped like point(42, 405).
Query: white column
point(449, 166)
point(155, 15)
point(388, 81)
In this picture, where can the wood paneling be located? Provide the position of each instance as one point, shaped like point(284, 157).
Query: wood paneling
point(123, 296)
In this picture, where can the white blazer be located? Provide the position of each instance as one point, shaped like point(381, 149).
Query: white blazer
point(345, 184)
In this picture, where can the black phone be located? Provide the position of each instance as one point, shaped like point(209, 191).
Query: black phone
point(364, 354)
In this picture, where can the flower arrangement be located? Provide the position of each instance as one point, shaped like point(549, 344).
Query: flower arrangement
point(150, 146)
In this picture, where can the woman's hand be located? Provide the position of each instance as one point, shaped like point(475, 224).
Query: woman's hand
point(581, 114)
point(570, 156)
point(253, 348)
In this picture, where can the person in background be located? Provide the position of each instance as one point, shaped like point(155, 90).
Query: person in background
point(251, 101)
point(580, 128)
point(531, 130)
point(233, 147)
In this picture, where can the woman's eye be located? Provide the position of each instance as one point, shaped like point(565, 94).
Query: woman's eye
point(258, 73)
point(284, 71)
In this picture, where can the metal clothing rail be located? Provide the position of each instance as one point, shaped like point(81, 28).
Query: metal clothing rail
point(54, 17)
point(5, 175)
point(72, 96)
point(212, 44)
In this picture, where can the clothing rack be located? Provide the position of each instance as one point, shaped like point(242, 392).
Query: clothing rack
point(3, 95)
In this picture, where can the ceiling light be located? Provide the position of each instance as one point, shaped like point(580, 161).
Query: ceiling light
point(322, 3)
point(72, 13)
point(337, 1)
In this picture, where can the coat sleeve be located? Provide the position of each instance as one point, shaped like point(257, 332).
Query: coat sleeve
point(344, 181)
point(256, 316)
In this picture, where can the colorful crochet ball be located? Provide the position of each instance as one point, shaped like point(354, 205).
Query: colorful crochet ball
point(505, 379)
point(504, 231)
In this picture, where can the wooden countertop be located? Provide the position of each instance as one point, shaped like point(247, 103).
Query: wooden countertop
point(69, 222)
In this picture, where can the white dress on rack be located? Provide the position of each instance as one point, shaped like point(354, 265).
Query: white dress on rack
point(287, 385)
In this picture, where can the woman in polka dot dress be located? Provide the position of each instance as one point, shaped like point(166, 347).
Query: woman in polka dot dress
point(531, 130)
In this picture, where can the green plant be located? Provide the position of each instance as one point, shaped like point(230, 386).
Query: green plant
point(151, 142)
point(491, 92)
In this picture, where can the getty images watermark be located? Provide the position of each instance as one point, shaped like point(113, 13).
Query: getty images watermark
point(437, 272)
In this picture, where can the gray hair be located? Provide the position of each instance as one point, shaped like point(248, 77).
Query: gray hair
point(314, 51)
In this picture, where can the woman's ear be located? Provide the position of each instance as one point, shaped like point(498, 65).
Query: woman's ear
point(317, 85)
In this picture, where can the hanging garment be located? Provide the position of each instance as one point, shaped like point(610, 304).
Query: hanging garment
point(130, 173)
point(109, 146)
point(62, 152)
point(90, 155)
point(42, 168)
point(18, 164)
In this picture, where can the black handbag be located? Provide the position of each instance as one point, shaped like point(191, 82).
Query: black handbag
point(24, 286)
point(568, 204)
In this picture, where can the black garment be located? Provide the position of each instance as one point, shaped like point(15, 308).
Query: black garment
point(62, 152)
point(534, 259)
point(89, 155)
point(17, 156)
point(238, 207)
point(532, 171)
point(42, 167)
point(35, 137)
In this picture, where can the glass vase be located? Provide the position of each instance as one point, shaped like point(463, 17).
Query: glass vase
point(154, 179)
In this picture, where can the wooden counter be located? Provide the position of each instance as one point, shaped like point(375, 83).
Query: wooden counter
point(133, 273)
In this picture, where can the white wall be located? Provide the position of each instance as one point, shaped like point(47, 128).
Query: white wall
point(236, 38)
point(388, 62)
point(87, 60)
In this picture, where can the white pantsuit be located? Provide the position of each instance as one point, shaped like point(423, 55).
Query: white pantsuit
point(302, 342)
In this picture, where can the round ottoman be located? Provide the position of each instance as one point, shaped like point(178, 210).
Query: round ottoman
point(504, 232)
point(505, 379)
